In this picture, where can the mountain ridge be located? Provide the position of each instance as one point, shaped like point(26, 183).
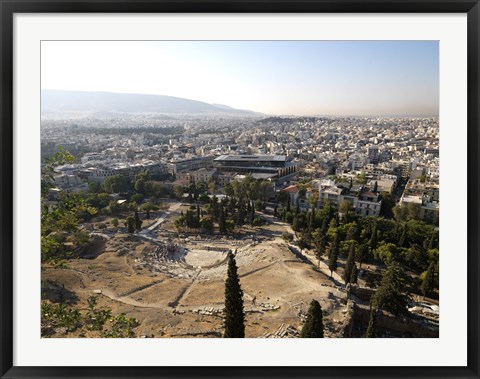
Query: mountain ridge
point(58, 101)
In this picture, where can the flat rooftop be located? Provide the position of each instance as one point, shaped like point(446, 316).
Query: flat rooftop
point(253, 158)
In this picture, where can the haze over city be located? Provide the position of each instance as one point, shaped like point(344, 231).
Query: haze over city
point(362, 78)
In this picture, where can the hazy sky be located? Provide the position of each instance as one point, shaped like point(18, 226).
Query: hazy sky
point(275, 77)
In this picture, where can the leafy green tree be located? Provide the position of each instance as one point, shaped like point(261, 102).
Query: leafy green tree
point(362, 254)
point(94, 187)
point(345, 207)
point(207, 224)
point(313, 327)
point(114, 222)
point(417, 257)
point(137, 198)
point(115, 184)
point(313, 199)
point(234, 317)
point(362, 178)
point(178, 191)
point(147, 208)
point(61, 157)
point(130, 224)
point(139, 186)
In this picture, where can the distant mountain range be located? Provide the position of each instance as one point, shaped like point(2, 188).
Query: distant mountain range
point(110, 103)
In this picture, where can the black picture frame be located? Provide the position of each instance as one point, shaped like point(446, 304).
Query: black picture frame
point(9, 8)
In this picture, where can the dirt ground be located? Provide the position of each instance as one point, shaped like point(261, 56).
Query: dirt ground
point(184, 297)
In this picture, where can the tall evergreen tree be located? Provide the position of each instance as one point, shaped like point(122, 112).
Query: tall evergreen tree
point(332, 261)
point(374, 237)
point(371, 323)
point(296, 223)
point(431, 242)
point(321, 247)
point(131, 224)
point(222, 222)
point(313, 327)
point(325, 225)
point(388, 295)
point(354, 274)
point(347, 273)
point(375, 187)
point(252, 214)
point(403, 236)
point(138, 222)
point(234, 317)
point(310, 220)
point(428, 282)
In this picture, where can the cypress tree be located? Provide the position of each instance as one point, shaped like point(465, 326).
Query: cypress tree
point(354, 274)
point(222, 222)
point(275, 210)
point(234, 317)
point(375, 187)
point(138, 222)
point(373, 238)
point(332, 261)
point(371, 324)
point(361, 254)
point(310, 220)
point(288, 203)
point(321, 247)
point(313, 327)
point(431, 242)
point(347, 273)
point(252, 214)
point(429, 280)
point(401, 241)
point(325, 225)
point(296, 223)
point(131, 225)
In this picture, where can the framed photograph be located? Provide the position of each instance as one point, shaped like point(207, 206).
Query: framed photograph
point(239, 189)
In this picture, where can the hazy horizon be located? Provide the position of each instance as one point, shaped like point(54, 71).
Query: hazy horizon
point(303, 78)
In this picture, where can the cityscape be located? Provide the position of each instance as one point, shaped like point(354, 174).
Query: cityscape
point(166, 216)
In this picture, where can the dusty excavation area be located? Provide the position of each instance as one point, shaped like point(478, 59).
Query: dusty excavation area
point(174, 284)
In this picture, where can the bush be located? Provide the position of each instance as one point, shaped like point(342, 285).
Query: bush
point(258, 221)
point(287, 236)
